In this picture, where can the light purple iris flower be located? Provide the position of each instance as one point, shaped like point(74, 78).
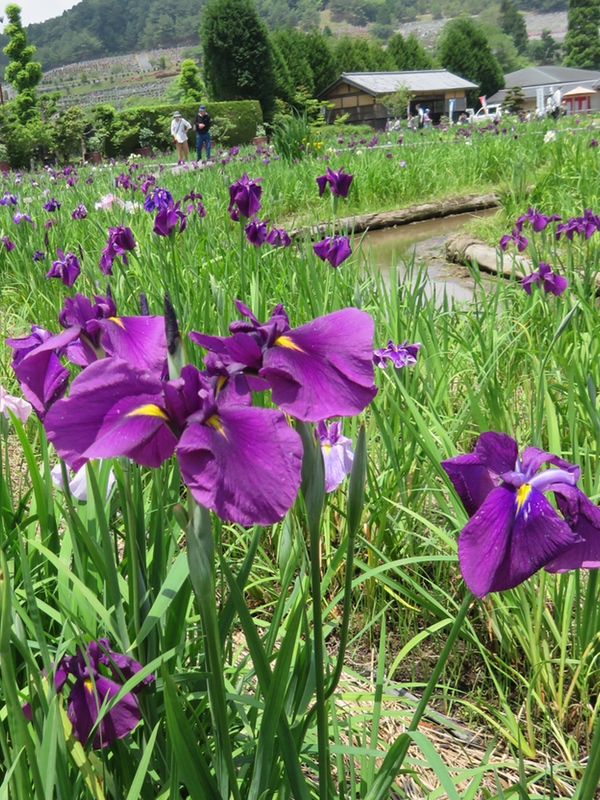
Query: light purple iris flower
point(550, 281)
point(337, 451)
point(66, 267)
point(52, 205)
point(244, 197)
point(99, 675)
point(339, 182)
point(256, 232)
point(334, 249)
point(8, 199)
point(279, 237)
point(513, 529)
point(80, 212)
point(242, 462)
point(319, 370)
point(7, 243)
point(401, 355)
point(18, 218)
point(515, 237)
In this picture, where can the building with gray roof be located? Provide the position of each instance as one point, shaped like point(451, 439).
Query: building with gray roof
point(546, 80)
point(359, 94)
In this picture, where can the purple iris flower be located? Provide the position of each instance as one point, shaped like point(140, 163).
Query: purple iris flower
point(52, 205)
point(515, 237)
point(339, 182)
point(537, 220)
point(92, 332)
point(80, 212)
point(242, 462)
point(43, 380)
point(50, 223)
point(158, 199)
point(401, 355)
point(167, 218)
point(8, 199)
point(66, 267)
point(337, 451)
point(244, 196)
point(8, 244)
point(256, 232)
point(39, 255)
point(18, 218)
point(319, 370)
point(279, 237)
point(334, 249)
point(550, 281)
point(120, 241)
point(593, 143)
point(586, 225)
point(99, 675)
point(513, 529)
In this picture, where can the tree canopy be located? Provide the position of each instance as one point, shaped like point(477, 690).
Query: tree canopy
point(464, 50)
point(22, 72)
point(582, 42)
point(238, 62)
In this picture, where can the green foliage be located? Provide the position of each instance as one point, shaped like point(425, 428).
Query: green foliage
point(513, 24)
point(292, 47)
point(69, 132)
point(359, 55)
point(409, 53)
point(514, 100)
point(396, 103)
point(22, 72)
point(582, 42)
point(545, 50)
point(191, 87)
point(238, 63)
point(465, 51)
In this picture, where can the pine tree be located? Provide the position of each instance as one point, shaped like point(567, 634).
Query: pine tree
point(190, 84)
point(238, 63)
point(291, 44)
point(23, 73)
point(320, 57)
point(582, 42)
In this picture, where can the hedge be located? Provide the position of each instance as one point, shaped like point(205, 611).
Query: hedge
point(123, 127)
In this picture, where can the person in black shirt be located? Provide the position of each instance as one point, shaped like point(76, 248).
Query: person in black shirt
point(202, 126)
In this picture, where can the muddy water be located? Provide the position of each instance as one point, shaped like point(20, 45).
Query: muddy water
point(426, 242)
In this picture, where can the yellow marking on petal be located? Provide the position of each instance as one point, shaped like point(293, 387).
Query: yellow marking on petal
point(89, 685)
point(221, 381)
point(326, 447)
point(147, 410)
point(522, 495)
point(118, 321)
point(215, 422)
point(285, 341)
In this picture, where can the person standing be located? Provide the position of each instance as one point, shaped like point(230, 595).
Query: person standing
point(202, 125)
point(179, 129)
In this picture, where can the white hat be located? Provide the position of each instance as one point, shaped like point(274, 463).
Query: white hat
point(176, 114)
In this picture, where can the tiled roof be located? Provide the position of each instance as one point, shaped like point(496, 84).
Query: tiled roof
point(548, 76)
point(429, 80)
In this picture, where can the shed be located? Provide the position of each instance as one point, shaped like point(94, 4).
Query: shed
point(579, 99)
point(359, 94)
point(544, 80)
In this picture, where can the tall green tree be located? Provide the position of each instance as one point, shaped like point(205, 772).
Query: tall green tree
point(292, 46)
point(582, 42)
point(22, 72)
point(464, 50)
point(319, 53)
point(238, 63)
point(409, 53)
point(513, 24)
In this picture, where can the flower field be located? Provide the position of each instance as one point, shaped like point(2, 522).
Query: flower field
point(269, 521)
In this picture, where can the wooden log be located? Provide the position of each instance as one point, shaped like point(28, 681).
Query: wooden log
point(462, 248)
point(403, 216)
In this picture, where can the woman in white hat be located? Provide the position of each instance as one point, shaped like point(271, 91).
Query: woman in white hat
point(179, 129)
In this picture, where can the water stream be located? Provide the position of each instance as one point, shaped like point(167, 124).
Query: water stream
point(426, 240)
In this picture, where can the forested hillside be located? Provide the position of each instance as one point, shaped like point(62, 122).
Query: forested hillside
point(100, 28)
